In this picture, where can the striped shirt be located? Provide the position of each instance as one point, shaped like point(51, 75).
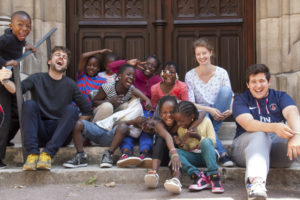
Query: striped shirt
point(110, 91)
point(86, 84)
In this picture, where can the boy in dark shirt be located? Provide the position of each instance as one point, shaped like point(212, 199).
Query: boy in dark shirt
point(11, 48)
point(49, 117)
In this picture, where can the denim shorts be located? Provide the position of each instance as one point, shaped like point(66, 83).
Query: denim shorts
point(97, 134)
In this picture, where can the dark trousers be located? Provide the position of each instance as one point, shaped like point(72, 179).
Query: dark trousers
point(5, 102)
point(160, 150)
point(51, 133)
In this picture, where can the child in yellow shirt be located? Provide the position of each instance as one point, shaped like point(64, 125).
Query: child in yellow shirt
point(197, 148)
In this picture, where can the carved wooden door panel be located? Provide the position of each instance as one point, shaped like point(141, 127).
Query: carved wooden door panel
point(137, 28)
point(227, 24)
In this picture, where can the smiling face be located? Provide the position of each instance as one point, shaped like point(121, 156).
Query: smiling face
point(20, 26)
point(169, 75)
point(92, 67)
point(58, 61)
point(166, 112)
point(183, 120)
point(127, 77)
point(150, 67)
point(203, 55)
point(258, 85)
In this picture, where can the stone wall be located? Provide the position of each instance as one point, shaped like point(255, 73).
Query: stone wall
point(45, 16)
point(278, 43)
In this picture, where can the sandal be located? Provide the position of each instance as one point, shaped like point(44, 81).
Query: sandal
point(151, 179)
point(173, 185)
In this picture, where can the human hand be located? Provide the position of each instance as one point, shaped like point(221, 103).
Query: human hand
point(12, 63)
point(216, 114)
point(140, 65)
point(293, 149)
point(140, 120)
point(5, 74)
point(192, 133)
point(283, 130)
point(226, 114)
point(117, 100)
point(30, 47)
point(104, 51)
point(132, 62)
point(148, 105)
point(175, 162)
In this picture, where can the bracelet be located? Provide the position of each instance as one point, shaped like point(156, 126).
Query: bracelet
point(173, 150)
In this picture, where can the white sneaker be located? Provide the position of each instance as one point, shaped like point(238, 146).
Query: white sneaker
point(256, 189)
point(151, 180)
point(173, 185)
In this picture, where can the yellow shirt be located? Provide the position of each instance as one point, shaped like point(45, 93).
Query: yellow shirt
point(205, 130)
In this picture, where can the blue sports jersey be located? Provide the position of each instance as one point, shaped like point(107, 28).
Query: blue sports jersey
point(267, 109)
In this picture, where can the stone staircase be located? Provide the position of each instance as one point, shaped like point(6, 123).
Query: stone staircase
point(278, 178)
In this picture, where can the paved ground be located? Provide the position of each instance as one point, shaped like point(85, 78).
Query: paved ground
point(131, 191)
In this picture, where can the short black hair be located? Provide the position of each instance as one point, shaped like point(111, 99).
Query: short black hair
point(160, 102)
point(256, 69)
point(158, 63)
point(170, 63)
point(187, 108)
point(123, 67)
point(20, 13)
point(61, 48)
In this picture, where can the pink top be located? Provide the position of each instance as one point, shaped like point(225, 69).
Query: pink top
point(142, 83)
point(179, 90)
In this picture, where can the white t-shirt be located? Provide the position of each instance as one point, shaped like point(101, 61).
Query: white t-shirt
point(203, 93)
point(109, 78)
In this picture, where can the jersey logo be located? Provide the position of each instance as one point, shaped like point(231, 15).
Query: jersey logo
point(251, 108)
point(273, 106)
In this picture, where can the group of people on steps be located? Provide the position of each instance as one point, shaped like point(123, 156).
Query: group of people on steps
point(130, 102)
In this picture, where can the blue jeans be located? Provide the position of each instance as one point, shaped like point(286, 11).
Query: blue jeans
point(207, 158)
point(97, 134)
point(49, 133)
point(222, 103)
point(145, 139)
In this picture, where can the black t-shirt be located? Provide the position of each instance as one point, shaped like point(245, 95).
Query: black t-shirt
point(10, 49)
point(53, 95)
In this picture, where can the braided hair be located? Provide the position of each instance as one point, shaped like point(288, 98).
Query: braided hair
point(187, 108)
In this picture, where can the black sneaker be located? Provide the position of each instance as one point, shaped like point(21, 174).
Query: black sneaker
point(129, 160)
point(2, 164)
point(106, 160)
point(10, 144)
point(226, 161)
point(80, 160)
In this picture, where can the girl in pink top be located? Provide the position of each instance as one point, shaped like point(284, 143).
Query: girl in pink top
point(170, 85)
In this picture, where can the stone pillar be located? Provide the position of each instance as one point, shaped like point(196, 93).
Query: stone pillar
point(278, 43)
point(45, 15)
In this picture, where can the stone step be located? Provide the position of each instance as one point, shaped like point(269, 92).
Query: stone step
point(227, 131)
point(278, 178)
point(14, 156)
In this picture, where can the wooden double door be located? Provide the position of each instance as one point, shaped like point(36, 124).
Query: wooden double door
point(167, 28)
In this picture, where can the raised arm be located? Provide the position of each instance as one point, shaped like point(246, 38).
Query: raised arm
point(84, 56)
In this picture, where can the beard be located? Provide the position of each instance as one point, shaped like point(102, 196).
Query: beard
point(61, 70)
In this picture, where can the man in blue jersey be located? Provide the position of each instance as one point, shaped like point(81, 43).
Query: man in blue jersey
point(263, 138)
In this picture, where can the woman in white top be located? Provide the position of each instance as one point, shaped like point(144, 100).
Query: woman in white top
point(210, 89)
